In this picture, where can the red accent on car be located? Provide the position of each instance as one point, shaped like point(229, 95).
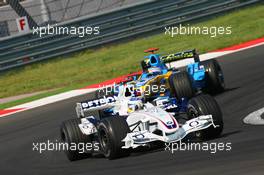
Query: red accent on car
point(138, 93)
point(151, 50)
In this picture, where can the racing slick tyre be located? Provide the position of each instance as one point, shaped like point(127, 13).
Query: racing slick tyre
point(181, 85)
point(206, 105)
point(214, 77)
point(72, 135)
point(111, 132)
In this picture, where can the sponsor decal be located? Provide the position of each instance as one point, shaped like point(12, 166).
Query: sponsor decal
point(194, 124)
point(99, 102)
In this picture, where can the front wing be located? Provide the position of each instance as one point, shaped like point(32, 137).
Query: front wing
point(142, 138)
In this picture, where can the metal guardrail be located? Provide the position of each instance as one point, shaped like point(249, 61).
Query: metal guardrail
point(57, 11)
point(114, 26)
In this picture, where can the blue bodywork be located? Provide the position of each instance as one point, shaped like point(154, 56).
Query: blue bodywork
point(197, 74)
point(154, 65)
point(172, 104)
point(154, 61)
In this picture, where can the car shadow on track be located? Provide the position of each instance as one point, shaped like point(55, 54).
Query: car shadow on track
point(224, 135)
point(227, 90)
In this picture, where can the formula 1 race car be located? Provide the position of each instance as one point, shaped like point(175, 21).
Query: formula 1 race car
point(126, 122)
point(206, 76)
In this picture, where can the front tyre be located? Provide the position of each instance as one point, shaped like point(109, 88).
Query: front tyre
point(111, 132)
point(206, 105)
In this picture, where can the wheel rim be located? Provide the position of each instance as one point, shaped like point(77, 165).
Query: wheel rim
point(221, 77)
point(193, 113)
point(104, 141)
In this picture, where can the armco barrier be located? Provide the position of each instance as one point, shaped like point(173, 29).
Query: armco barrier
point(115, 25)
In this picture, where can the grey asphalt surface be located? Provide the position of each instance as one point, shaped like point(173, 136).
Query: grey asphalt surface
point(244, 73)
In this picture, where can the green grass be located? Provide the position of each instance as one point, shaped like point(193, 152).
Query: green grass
point(93, 66)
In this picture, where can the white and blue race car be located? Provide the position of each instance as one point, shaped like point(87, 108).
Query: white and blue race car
point(126, 122)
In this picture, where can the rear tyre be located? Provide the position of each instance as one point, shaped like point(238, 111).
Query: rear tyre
point(111, 132)
point(206, 105)
point(71, 134)
point(214, 77)
point(181, 85)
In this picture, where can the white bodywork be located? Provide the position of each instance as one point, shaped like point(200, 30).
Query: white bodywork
point(147, 122)
point(143, 124)
point(153, 119)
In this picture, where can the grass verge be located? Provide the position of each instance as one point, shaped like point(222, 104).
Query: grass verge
point(93, 66)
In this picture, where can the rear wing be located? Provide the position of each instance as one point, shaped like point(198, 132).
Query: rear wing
point(181, 56)
point(95, 105)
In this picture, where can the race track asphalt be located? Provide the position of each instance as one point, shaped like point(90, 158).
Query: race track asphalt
point(244, 73)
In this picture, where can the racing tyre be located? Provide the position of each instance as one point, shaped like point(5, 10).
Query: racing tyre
point(206, 105)
point(214, 77)
point(111, 132)
point(71, 134)
point(181, 85)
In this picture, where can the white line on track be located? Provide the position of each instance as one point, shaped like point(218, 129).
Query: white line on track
point(255, 118)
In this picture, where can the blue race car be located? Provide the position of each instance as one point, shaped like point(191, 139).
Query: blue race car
point(160, 78)
point(206, 76)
